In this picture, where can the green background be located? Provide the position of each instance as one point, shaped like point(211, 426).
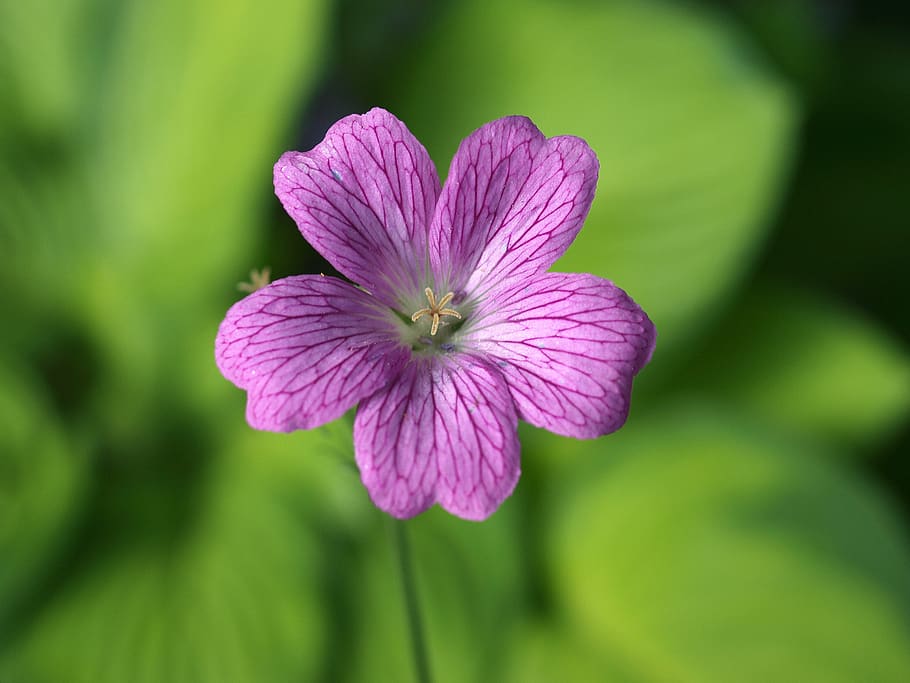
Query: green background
point(748, 524)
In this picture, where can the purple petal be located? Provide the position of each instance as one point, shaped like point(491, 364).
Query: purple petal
point(306, 349)
point(568, 346)
point(511, 205)
point(364, 197)
point(444, 432)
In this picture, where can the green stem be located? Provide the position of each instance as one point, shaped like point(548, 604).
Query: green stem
point(412, 608)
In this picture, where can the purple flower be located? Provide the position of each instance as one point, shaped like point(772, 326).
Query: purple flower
point(454, 329)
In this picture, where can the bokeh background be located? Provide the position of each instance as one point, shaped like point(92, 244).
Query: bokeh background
point(750, 523)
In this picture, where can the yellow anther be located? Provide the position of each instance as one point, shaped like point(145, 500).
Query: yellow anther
point(258, 280)
point(436, 310)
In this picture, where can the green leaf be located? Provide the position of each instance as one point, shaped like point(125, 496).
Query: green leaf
point(469, 583)
point(701, 549)
point(42, 473)
point(42, 66)
point(189, 121)
point(804, 365)
point(219, 582)
point(692, 132)
point(544, 652)
point(140, 211)
point(311, 472)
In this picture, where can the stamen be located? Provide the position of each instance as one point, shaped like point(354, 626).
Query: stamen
point(258, 280)
point(436, 310)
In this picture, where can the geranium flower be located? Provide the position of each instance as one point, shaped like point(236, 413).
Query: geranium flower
point(453, 329)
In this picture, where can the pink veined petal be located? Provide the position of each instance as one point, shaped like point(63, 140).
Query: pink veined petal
point(568, 346)
point(307, 349)
point(444, 432)
point(364, 197)
point(512, 204)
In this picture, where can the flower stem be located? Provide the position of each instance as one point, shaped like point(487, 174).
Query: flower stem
point(415, 625)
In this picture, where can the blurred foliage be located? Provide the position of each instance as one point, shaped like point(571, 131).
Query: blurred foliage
point(753, 164)
point(230, 593)
point(469, 601)
point(709, 548)
point(793, 360)
point(42, 473)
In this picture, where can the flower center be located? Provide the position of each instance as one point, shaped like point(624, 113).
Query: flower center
point(436, 310)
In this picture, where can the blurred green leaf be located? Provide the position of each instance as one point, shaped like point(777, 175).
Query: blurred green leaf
point(845, 226)
point(311, 472)
point(42, 474)
point(45, 206)
point(188, 125)
point(231, 593)
point(42, 67)
point(804, 365)
point(544, 653)
point(796, 35)
point(692, 132)
point(706, 550)
point(134, 205)
point(469, 579)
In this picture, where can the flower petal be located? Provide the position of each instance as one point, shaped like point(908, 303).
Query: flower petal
point(364, 197)
point(511, 205)
point(306, 349)
point(444, 432)
point(568, 346)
